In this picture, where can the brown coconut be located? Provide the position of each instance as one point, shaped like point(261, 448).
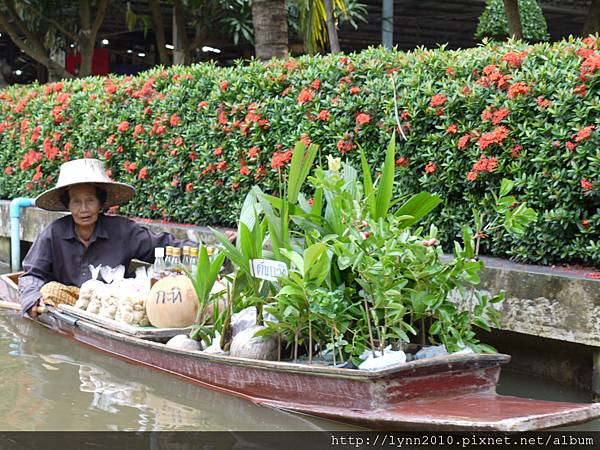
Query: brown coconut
point(172, 303)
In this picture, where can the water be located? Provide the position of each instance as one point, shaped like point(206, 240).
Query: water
point(48, 383)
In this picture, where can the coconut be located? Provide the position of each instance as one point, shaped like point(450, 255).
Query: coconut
point(172, 303)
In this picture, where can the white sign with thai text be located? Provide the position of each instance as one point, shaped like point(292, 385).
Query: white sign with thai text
point(267, 269)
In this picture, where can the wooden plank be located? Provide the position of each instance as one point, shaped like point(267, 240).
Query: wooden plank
point(140, 332)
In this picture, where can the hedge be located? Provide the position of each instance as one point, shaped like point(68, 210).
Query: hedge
point(193, 139)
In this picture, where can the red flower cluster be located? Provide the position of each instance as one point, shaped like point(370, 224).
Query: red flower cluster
point(492, 76)
point(130, 167)
point(431, 167)
point(514, 59)
point(452, 129)
point(517, 89)
point(279, 160)
point(30, 158)
point(438, 100)
point(584, 133)
point(543, 102)
point(589, 66)
point(403, 161)
point(586, 185)
point(362, 119)
point(496, 117)
point(345, 144)
point(323, 115)
point(496, 136)
point(305, 96)
point(123, 126)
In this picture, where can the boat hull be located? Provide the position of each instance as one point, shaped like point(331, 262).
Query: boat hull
point(455, 392)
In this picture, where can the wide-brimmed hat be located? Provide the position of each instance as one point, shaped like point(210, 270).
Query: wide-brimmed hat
point(84, 171)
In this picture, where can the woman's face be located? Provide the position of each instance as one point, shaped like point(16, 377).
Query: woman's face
point(84, 205)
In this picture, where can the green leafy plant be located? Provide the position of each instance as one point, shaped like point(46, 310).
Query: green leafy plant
point(196, 139)
point(203, 281)
point(494, 23)
point(361, 278)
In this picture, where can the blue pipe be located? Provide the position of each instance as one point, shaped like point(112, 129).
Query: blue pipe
point(15, 228)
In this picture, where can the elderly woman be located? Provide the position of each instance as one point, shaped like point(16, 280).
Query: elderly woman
point(65, 249)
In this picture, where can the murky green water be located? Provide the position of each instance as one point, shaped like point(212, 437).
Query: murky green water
point(48, 382)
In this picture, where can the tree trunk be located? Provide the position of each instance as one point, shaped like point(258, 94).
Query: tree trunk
point(180, 55)
point(334, 43)
point(514, 18)
point(159, 32)
point(32, 47)
point(88, 33)
point(592, 22)
point(270, 29)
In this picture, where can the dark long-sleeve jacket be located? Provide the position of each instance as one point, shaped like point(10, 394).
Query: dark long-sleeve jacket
point(58, 255)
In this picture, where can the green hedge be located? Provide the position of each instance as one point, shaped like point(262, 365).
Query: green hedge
point(194, 139)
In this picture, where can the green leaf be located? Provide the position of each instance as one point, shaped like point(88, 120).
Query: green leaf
point(506, 186)
point(385, 187)
point(418, 206)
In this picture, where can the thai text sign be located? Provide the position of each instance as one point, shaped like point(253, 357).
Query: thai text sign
point(267, 269)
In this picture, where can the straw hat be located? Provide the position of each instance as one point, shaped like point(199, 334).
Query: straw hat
point(84, 171)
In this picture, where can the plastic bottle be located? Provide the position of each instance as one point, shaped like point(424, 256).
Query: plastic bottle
point(186, 257)
point(176, 261)
point(159, 264)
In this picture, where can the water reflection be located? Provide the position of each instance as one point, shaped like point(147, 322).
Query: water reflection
point(52, 383)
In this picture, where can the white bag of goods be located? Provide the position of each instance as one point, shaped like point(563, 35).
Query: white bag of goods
point(388, 359)
point(246, 345)
point(87, 288)
point(172, 303)
point(183, 342)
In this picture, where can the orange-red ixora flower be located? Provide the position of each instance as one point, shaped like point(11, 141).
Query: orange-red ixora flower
point(431, 167)
point(584, 133)
point(518, 88)
point(305, 96)
point(571, 146)
point(130, 167)
point(403, 161)
point(189, 187)
point(514, 59)
point(218, 151)
point(362, 119)
point(354, 90)
point(143, 173)
point(123, 126)
point(463, 141)
point(223, 85)
point(244, 170)
point(497, 136)
point(438, 100)
point(278, 160)
point(316, 84)
point(452, 129)
point(323, 115)
point(472, 176)
point(586, 185)
point(9, 170)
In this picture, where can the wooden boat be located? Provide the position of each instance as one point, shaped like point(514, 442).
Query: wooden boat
point(455, 392)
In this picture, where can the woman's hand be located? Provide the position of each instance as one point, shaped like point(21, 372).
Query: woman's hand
point(231, 235)
point(37, 309)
